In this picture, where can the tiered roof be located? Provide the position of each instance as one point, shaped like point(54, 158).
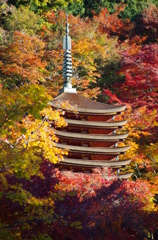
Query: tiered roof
point(90, 136)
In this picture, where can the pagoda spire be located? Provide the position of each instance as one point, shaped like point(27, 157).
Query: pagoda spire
point(67, 62)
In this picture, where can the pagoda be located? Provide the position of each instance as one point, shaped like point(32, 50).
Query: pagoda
point(91, 133)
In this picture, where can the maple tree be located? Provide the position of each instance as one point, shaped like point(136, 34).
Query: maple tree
point(37, 200)
point(150, 18)
point(139, 90)
point(26, 143)
point(139, 66)
point(113, 25)
point(76, 205)
point(21, 60)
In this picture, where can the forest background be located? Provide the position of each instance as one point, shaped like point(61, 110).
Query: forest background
point(115, 60)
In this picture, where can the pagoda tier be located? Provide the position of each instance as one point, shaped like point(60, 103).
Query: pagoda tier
point(86, 166)
point(94, 124)
point(90, 135)
point(90, 151)
point(91, 140)
point(91, 164)
point(86, 106)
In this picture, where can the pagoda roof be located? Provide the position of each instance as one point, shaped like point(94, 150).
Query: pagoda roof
point(92, 137)
point(122, 175)
point(93, 163)
point(93, 150)
point(85, 105)
point(95, 123)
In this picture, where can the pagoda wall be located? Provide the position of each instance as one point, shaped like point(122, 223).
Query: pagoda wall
point(100, 118)
point(79, 142)
point(101, 131)
point(88, 130)
point(87, 117)
point(101, 144)
point(91, 156)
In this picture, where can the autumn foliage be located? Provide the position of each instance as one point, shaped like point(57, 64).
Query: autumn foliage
point(22, 61)
point(139, 66)
point(114, 60)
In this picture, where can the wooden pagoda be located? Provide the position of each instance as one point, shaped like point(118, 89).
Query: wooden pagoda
point(91, 133)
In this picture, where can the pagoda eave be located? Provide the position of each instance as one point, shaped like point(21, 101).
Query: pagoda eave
point(95, 124)
point(91, 137)
point(83, 105)
point(93, 150)
point(113, 111)
point(93, 163)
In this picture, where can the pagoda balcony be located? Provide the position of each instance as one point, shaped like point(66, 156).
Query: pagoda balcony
point(86, 129)
point(87, 143)
point(89, 117)
point(89, 156)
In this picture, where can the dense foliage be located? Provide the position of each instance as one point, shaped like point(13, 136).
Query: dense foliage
point(115, 60)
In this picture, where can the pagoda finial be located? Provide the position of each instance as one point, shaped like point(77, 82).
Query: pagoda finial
point(67, 32)
point(67, 61)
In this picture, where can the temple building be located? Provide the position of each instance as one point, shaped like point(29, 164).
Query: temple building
point(91, 133)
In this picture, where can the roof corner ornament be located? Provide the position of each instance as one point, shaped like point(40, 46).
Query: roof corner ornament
point(67, 62)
